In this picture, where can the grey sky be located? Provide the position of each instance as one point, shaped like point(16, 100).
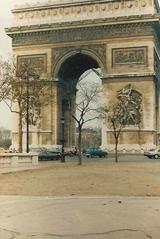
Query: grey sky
point(5, 20)
point(5, 49)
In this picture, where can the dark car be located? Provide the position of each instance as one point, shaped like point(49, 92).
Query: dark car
point(49, 154)
point(95, 152)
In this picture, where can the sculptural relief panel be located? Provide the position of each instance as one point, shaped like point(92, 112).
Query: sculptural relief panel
point(131, 102)
point(130, 55)
point(38, 62)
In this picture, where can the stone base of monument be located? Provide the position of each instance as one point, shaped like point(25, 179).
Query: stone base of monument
point(129, 148)
point(18, 159)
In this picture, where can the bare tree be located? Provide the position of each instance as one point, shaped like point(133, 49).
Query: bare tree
point(115, 120)
point(126, 111)
point(23, 91)
point(84, 107)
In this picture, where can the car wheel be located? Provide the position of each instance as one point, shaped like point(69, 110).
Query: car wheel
point(156, 156)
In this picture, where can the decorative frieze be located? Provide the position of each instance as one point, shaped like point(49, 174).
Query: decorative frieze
point(38, 62)
point(83, 34)
point(129, 56)
point(50, 12)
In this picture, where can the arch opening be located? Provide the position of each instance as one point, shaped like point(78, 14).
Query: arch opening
point(74, 68)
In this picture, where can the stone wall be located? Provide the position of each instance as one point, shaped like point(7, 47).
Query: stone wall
point(18, 159)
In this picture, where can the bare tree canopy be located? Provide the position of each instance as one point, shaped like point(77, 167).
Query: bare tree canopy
point(22, 90)
point(83, 100)
point(87, 102)
point(86, 105)
point(127, 110)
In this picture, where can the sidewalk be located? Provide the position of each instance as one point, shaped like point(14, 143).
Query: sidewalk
point(7, 169)
point(80, 217)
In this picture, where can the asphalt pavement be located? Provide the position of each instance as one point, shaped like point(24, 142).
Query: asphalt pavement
point(79, 217)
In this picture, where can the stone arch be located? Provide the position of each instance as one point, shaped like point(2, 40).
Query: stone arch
point(66, 73)
point(63, 56)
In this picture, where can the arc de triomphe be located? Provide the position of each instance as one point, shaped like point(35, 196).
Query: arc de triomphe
point(64, 38)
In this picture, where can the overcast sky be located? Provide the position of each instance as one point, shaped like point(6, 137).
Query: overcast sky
point(5, 50)
point(5, 46)
point(5, 20)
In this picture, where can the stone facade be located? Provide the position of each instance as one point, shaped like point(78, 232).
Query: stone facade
point(120, 37)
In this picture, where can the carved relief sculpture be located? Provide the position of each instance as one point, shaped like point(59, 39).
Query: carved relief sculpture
point(131, 100)
point(38, 62)
point(127, 56)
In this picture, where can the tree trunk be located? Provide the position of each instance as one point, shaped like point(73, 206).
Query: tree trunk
point(116, 150)
point(80, 145)
point(20, 136)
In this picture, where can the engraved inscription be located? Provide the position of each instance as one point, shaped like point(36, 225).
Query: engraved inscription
point(127, 56)
point(37, 62)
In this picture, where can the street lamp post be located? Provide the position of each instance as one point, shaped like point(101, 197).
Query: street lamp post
point(62, 141)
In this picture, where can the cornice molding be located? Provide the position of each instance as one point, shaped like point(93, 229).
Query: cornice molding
point(45, 5)
point(85, 23)
point(150, 75)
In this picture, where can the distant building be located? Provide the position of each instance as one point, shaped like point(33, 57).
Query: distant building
point(91, 137)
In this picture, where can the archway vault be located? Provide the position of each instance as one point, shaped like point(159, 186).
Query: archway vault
point(69, 71)
point(97, 53)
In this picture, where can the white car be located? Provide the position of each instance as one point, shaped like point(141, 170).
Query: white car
point(153, 153)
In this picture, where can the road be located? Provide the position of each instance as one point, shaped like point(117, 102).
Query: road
point(111, 158)
point(79, 217)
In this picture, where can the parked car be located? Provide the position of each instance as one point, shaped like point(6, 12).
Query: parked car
point(153, 153)
point(49, 154)
point(95, 152)
point(70, 151)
